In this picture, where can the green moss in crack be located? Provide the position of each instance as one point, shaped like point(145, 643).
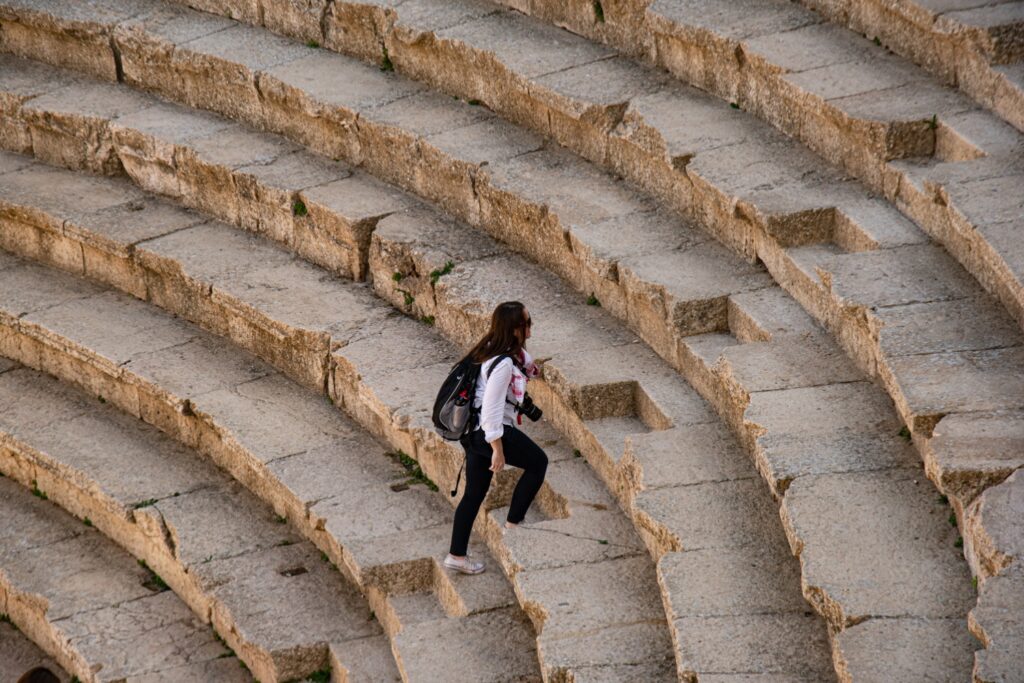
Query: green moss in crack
point(385, 61)
point(439, 273)
point(598, 12)
point(299, 208)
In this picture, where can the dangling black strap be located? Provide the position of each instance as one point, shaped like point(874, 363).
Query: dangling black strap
point(459, 478)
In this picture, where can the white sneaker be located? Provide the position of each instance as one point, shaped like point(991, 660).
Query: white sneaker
point(464, 566)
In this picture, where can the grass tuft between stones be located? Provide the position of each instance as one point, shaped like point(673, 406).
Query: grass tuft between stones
point(598, 12)
point(312, 43)
point(959, 542)
point(86, 521)
point(427, 320)
point(321, 676)
point(397, 277)
point(154, 583)
point(877, 41)
point(37, 493)
point(385, 61)
point(593, 301)
point(417, 476)
point(299, 208)
point(149, 502)
point(905, 433)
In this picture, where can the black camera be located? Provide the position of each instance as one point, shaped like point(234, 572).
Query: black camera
point(530, 410)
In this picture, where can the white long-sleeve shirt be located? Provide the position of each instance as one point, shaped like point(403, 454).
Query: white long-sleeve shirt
point(497, 395)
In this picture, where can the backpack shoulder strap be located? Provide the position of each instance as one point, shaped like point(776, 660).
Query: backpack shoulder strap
point(495, 362)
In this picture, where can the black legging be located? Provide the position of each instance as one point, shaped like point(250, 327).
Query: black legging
point(520, 451)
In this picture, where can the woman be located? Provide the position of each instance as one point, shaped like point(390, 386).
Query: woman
point(495, 441)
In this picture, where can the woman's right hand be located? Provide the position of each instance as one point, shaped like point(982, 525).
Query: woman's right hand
point(497, 456)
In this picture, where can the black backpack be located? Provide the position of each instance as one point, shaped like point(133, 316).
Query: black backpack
point(454, 415)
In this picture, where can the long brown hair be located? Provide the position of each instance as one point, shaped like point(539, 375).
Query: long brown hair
point(501, 338)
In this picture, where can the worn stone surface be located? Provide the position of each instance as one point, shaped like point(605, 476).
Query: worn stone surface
point(87, 603)
point(996, 536)
point(997, 623)
point(830, 428)
point(19, 655)
point(893, 526)
point(969, 453)
point(925, 649)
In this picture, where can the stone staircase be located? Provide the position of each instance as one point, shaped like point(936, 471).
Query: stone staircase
point(279, 603)
point(734, 335)
point(709, 536)
point(92, 608)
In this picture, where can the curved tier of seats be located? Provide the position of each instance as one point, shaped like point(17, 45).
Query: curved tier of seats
point(90, 606)
point(228, 204)
point(281, 608)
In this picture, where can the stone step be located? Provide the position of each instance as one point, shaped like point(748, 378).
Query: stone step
point(996, 548)
point(19, 657)
point(741, 318)
point(195, 389)
point(279, 606)
point(91, 607)
point(997, 623)
point(451, 304)
point(964, 44)
point(513, 198)
point(636, 122)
